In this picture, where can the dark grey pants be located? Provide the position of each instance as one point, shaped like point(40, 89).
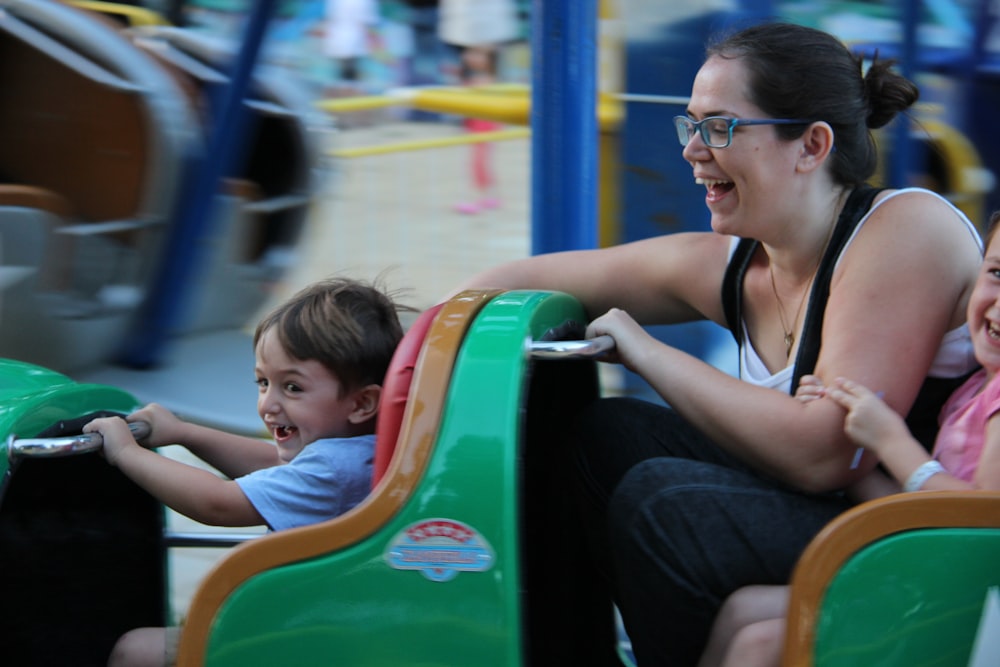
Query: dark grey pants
point(675, 524)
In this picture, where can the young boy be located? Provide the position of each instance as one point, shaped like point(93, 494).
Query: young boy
point(321, 358)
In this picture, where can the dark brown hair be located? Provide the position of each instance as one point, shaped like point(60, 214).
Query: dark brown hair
point(349, 326)
point(991, 228)
point(801, 72)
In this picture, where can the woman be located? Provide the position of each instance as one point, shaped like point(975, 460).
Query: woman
point(814, 272)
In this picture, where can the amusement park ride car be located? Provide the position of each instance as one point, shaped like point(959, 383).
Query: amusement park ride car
point(443, 556)
point(441, 564)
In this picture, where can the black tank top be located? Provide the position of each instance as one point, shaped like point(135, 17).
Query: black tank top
point(923, 416)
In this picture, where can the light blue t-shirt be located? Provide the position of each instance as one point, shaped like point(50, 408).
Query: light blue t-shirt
point(326, 479)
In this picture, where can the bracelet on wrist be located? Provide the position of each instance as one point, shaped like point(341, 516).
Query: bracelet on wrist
point(920, 476)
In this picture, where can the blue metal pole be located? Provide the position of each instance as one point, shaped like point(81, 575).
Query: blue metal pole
point(902, 147)
point(564, 125)
point(164, 304)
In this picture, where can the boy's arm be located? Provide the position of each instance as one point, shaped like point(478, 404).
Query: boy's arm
point(232, 455)
point(195, 493)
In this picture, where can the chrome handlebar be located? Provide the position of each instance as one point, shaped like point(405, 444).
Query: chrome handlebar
point(67, 445)
point(572, 349)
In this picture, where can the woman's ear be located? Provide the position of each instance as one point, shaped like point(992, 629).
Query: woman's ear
point(366, 402)
point(817, 144)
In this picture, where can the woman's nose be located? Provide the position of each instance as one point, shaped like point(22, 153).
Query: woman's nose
point(695, 149)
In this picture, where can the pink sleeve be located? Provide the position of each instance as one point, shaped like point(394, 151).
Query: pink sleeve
point(991, 396)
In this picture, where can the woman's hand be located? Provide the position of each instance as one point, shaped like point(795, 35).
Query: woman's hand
point(631, 340)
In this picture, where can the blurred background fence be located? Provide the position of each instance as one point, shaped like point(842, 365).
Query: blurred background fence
point(387, 207)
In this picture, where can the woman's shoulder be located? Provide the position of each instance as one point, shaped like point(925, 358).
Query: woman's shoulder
point(917, 227)
point(917, 198)
point(920, 211)
point(891, 193)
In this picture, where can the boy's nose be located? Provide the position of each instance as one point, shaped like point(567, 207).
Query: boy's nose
point(267, 402)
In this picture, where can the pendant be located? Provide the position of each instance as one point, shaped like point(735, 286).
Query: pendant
point(789, 341)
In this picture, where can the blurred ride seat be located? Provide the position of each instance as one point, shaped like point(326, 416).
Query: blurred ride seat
point(396, 391)
point(87, 120)
point(902, 580)
point(267, 195)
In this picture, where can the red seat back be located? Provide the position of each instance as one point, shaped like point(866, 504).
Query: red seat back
point(396, 390)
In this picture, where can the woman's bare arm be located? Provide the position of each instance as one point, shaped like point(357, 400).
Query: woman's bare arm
point(901, 285)
point(662, 280)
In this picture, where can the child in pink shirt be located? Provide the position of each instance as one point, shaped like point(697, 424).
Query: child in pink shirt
point(750, 627)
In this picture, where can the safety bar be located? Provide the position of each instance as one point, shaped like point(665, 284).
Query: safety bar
point(65, 446)
point(590, 348)
point(63, 54)
point(107, 227)
point(206, 539)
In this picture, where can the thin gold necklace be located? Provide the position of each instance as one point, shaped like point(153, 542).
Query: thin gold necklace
point(789, 332)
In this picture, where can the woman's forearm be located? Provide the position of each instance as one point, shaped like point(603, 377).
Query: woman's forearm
point(800, 443)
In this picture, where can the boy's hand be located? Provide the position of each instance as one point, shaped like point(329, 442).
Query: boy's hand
point(165, 428)
point(116, 434)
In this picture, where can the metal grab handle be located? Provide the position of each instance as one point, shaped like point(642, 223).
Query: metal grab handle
point(66, 446)
point(572, 349)
point(207, 539)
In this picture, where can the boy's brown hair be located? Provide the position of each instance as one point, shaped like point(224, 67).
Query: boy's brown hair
point(350, 326)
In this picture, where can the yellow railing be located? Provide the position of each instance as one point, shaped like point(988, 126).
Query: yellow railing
point(136, 16)
point(437, 142)
point(504, 103)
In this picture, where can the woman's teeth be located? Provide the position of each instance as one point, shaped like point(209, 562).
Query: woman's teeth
point(710, 182)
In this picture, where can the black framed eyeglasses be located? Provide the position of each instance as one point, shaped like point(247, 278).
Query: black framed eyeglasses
point(717, 131)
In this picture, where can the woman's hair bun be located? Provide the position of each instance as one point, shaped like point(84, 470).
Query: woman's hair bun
point(886, 92)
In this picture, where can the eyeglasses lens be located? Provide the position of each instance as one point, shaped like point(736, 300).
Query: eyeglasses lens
point(685, 129)
point(714, 131)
